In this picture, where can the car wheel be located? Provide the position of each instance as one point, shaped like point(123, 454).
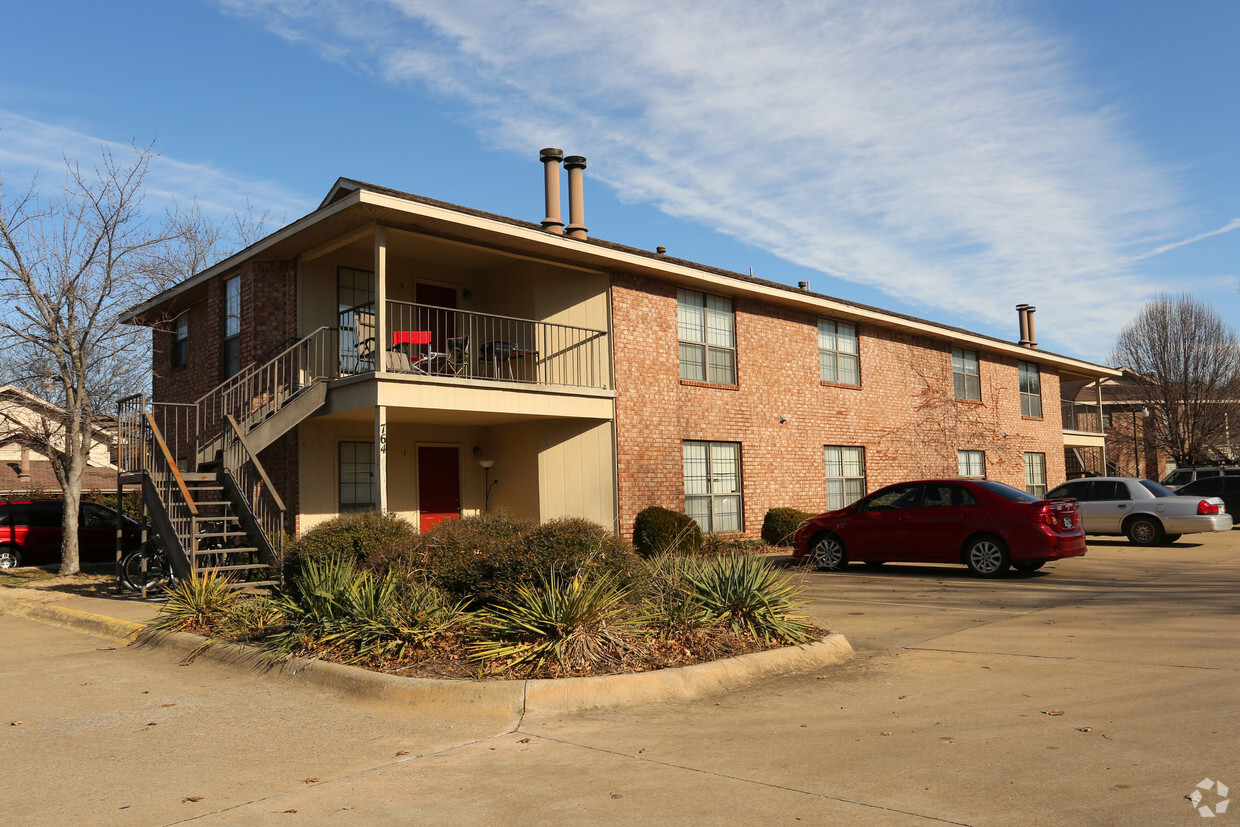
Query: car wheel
point(986, 556)
point(826, 552)
point(1032, 565)
point(1144, 531)
point(10, 558)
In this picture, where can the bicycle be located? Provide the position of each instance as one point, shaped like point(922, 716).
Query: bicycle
point(148, 567)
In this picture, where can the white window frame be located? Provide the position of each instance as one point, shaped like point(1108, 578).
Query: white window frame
point(844, 466)
point(1030, 390)
point(971, 463)
point(355, 476)
point(706, 327)
point(839, 353)
point(714, 497)
point(230, 342)
point(1035, 473)
point(966, 375)
point(180, 340)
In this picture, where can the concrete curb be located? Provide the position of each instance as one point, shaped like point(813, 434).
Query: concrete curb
point(514, 699)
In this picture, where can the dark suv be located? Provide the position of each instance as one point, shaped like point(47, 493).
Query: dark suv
point(30, 532)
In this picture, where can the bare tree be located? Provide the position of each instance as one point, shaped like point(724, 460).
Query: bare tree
point(1187, 362)
point(69, 264)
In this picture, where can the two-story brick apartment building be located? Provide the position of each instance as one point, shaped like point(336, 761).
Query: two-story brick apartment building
point(518, 366)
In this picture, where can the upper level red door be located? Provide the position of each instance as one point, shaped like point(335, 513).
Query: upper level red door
point(439, 485)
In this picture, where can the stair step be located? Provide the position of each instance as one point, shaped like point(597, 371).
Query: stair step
point(237, 567)
point(246, 584)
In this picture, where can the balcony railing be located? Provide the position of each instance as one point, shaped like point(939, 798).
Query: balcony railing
point(423, 340)
point(1078, 416)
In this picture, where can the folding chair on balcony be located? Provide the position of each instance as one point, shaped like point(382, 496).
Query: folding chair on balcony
point(455, 360)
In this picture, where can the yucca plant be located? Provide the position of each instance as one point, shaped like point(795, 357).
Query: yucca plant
point(251, 617)
point(744, 592)
point(336, 606)
point(197, 604)
point(671, 595)
point(563, 624)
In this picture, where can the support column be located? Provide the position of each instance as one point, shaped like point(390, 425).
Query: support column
point(381, 446)
point(1101, 427)
point(381, 322)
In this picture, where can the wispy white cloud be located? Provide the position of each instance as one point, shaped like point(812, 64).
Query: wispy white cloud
point(29, 147)
point(943, 151)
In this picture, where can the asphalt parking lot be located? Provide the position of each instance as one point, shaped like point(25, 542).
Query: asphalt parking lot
point(1099, 690)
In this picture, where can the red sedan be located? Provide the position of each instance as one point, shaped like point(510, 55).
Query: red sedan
point(987, 526)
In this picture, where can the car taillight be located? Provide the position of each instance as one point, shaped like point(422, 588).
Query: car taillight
point(1204, 507)
point(1045, 515)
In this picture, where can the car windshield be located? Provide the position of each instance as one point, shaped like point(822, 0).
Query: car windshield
point(1008, 492)
point(1156, 489)
point(1178, 477)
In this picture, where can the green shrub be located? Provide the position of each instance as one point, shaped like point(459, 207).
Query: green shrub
point(570, 546)
point(198, 604)
point(462, 556)
point(779, 525)
point(356, 535)
point(656, 530)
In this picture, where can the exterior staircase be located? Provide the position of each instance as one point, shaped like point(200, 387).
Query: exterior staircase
point(225, 515)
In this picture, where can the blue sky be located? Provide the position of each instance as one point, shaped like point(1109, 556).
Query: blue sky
point(947, 159)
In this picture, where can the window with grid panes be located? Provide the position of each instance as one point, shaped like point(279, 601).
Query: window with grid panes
point(971, 463)
point(1030, 390)
point(966, 375)
point(707, 330)
point(838, 359)
point(180, 340)
point(230, 361)
point(713, 485)
point(845, 475)
point(357, 476)
point(1035, 473)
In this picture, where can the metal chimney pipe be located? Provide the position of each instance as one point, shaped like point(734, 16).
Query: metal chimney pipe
point(1023, 316)
point(576, 164)
point(551, 158)
point(1033, 337)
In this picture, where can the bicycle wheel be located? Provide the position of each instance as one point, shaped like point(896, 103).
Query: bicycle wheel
point(157, 573)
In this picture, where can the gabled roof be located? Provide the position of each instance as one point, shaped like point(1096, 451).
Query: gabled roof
point(351, 205)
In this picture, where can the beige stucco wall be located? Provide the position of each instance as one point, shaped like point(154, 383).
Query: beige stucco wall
point(546, 468)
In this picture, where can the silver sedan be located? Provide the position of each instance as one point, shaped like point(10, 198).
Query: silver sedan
point(1144, 511)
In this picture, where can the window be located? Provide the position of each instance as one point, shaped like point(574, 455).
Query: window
point(357, 476)
point(894, 498)
point(965, 375)
point(971, 463)
point(838, 359)
point(1030, 390)
point(180, 340)
point(355, 288)
point(939, 495)
point(1035, 473)
point(713, 485)
point(845, 475)
point(707, 330)
point(231, 356)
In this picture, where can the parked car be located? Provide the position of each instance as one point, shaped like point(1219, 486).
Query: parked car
point(1144, 511)
point(1183, 476)
point(987, 526)
point(31, 535)
point(1225, 488)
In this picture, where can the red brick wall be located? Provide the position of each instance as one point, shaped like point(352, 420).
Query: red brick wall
point(903, 414)
point(268, 320)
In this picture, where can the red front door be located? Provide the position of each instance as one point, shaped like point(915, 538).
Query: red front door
point(439, 485)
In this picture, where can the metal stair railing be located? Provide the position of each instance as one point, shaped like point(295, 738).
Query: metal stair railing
point(261, 391)
point(169, 502)
point(254, 498)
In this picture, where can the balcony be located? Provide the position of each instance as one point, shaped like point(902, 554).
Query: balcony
point(1080, 417)
point(428, 341)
